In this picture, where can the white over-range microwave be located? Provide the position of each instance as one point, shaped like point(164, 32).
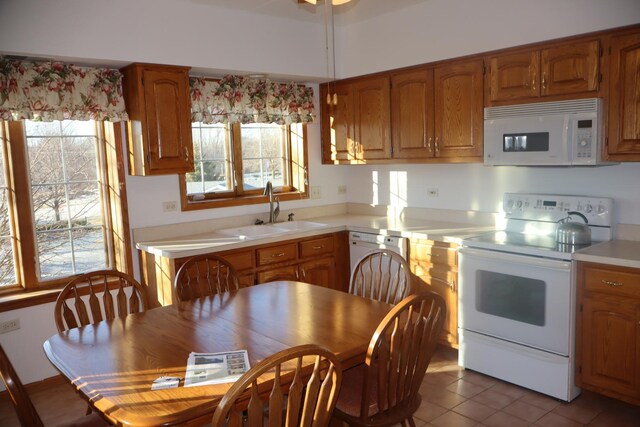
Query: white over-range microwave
point(563, 133)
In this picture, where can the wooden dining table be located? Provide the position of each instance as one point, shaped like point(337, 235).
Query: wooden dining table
point(112, 364)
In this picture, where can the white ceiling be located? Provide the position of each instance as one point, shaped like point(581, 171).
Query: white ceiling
point(355, 10)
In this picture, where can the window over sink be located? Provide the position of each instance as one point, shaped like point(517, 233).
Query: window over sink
point(233, 163)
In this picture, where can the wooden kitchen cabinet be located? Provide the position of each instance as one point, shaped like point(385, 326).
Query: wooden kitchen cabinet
point(371, 118)
point(434, 266)
point(321, 260)
point(337, 122)
point(356, 124)
point(565, 69)
point(624, 98)
point(412, 114)
point(608, 330)
point(159, 127)
point(459, 119)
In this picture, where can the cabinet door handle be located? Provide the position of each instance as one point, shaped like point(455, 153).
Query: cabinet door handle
point(318, 247)
point(429, 144)
point(437, 147)
point(304, 273)
point(533, 82)
point(186, 153)
point(611, 283)
point(277, 255)
point(544, 81)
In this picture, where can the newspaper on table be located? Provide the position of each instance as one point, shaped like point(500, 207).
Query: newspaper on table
point(215, 368)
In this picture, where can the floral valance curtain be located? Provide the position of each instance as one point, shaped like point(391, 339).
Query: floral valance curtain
point(50, 90)
point(242, 99)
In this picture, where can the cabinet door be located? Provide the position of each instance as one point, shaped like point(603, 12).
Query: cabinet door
point(444, 283)
point(289, 272)
point(624, 98)
point(514, 76)
point(412, 114)
point(337, 122)
point(459, 120)
point(610, 337)
point(371, 98)
point(168, 120)
point(570, 68)
point(319, 272)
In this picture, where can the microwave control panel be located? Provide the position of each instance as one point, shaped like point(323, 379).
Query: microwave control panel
point(554, 207)
point(584, 141)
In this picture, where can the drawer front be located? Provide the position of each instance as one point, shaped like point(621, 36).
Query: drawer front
point(280, 253)
point(434, 254)
point(611, 280)
point(240, 260)
point(315, 247)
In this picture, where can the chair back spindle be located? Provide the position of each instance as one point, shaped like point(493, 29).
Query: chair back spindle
point(381, 275)
point(204, 275)
point(79, 303)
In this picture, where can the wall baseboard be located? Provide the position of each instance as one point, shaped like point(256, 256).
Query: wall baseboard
point(37, 386)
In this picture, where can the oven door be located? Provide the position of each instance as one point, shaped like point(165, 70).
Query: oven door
point(519, 298)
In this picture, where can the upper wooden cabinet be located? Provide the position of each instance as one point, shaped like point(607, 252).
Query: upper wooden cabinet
point(437, 113)
point(371, 118)
point(159, 129)
point(459, 120)
point(412, 114)
point(624, 98)
point(355, 120)
point(566, 69)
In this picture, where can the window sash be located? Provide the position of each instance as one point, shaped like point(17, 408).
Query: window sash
point(113, 193)
point(294, 174)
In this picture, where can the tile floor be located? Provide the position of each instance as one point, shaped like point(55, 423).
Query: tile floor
point(451, 397)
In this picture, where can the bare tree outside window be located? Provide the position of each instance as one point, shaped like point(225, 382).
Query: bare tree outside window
point(7, 267)
point(66, 197)
point(263, 155)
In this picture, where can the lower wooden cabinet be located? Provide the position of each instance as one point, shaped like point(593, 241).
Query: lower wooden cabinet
point(434, 266)
point(608, 331)
point(320, 260)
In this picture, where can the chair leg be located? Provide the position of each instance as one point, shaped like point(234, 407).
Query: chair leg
point(411, 422)
point(89, 410)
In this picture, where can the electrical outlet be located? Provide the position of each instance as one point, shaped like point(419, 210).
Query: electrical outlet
point(9, 325)
point(171, 206)
point(432, 192)
point(342, 189)
point(316, 192)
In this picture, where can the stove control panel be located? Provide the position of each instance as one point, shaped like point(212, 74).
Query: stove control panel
point(554, 207)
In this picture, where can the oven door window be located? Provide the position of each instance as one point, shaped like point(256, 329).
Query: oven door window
point(511, 297)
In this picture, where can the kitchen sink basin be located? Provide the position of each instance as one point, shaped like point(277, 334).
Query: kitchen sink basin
point(299, 225)
point(253, 231)
point(265, 230)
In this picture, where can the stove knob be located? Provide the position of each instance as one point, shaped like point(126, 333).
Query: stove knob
point(588, 208)
point(509, 203)
point(601, 209)
point(519, 204)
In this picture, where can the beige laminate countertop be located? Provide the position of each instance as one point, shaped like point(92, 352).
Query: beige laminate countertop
point(624, 253)
point(192, 245)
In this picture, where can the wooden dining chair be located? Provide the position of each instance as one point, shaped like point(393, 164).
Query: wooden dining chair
point(26, 411)
point(384, 390)
point(109, 293)
point(204, 275)
point(381, 275)
point(306, 380)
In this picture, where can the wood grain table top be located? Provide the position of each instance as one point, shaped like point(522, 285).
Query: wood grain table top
point(113, 364)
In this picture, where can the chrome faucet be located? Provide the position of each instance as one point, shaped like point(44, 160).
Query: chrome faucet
point(273, 213)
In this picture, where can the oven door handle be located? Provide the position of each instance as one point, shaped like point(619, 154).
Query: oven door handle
point(520, 259)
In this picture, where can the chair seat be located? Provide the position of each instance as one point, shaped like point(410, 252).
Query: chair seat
point(350, 397)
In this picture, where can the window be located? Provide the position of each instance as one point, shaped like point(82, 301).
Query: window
point(60, 197)
point(233, 163)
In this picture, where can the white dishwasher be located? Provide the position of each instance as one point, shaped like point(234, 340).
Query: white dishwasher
point(361, 244)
